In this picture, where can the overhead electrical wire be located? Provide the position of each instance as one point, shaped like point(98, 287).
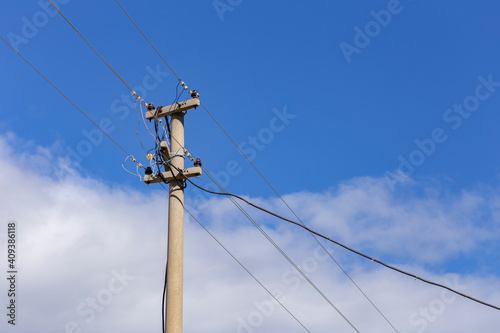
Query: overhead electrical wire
point(255, 167)
point(69, 100)
point(98, 54)
point(147, 39)
point(344, 246)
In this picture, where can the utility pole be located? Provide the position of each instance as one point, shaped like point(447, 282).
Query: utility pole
point(175, 250)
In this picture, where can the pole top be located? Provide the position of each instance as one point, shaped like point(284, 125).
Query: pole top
point(173, 108)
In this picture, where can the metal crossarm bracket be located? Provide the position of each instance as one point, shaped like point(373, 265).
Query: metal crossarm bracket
point(165, 150)
point(173, 108)
point(168, 176)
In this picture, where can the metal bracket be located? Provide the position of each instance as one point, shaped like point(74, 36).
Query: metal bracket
point(173, 108)
point(168, 176)
point(165, 150)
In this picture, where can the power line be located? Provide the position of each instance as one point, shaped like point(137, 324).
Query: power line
point(142, 33)
point(69, 100)
point(355, 284)
point(346, 247)
point(241, 264)
point(93, 49)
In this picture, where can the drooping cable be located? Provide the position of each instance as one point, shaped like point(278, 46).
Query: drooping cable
point(345, 246)
point(146, 125)
point(164, 299)
point(134, 174)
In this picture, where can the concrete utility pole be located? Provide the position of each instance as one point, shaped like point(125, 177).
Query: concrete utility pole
point(173, 315)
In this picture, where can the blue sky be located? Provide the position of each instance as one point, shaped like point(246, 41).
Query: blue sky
point(377, 121)
point(357, 117)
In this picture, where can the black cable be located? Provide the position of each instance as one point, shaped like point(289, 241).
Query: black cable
point(164, 299)
point(168, 132)
point(346, 247)
point(176, 99)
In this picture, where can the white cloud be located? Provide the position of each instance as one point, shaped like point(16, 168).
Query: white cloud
point(76, 235)
point(427, 228)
